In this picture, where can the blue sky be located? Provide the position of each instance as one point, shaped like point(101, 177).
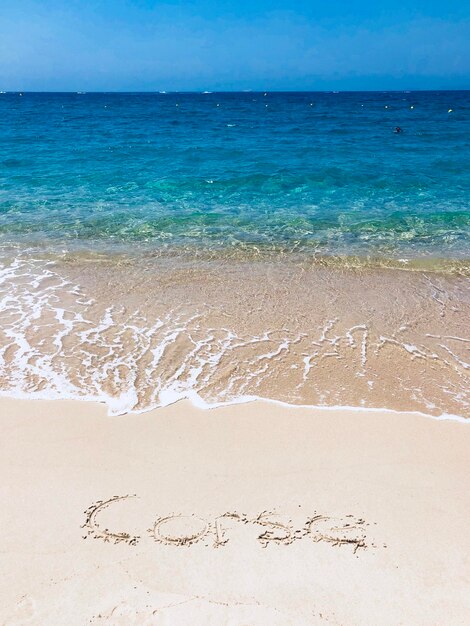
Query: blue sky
point(132, 45)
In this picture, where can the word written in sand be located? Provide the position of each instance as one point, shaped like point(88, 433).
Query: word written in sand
point(186, 530)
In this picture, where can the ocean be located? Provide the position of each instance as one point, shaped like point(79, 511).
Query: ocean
point(227, 246)
point(320, 173)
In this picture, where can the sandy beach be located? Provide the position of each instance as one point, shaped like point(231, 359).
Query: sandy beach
point(250, 514)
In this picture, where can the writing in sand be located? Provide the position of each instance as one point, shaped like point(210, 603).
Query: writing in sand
point(178, 529)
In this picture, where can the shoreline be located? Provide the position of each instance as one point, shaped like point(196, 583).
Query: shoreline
point(199, 403)
point(254, 513)
point(457, 266)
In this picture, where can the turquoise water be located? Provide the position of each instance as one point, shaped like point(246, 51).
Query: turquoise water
point(318, 173)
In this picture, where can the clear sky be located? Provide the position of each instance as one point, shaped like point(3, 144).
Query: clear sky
point(132, 45)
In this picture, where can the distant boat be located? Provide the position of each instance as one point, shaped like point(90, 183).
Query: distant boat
point(207, 92)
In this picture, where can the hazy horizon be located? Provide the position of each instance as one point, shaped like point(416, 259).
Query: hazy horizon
point(227, 91)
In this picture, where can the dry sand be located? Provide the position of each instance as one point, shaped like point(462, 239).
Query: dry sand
point(189, 540)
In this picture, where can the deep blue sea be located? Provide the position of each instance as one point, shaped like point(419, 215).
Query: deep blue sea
point(316, 173)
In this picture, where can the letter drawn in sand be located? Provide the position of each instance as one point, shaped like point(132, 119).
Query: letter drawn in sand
point(277, 532)
point(221, 538)
point(179, 530)
point(337, 532)
point(94, 530)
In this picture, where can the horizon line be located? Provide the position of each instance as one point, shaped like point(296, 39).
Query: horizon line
point(222, 91)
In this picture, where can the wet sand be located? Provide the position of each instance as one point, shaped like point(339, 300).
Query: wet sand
point(139, 333)
point(250, 514)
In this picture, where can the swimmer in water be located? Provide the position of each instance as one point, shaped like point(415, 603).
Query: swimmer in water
point(397, 129)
